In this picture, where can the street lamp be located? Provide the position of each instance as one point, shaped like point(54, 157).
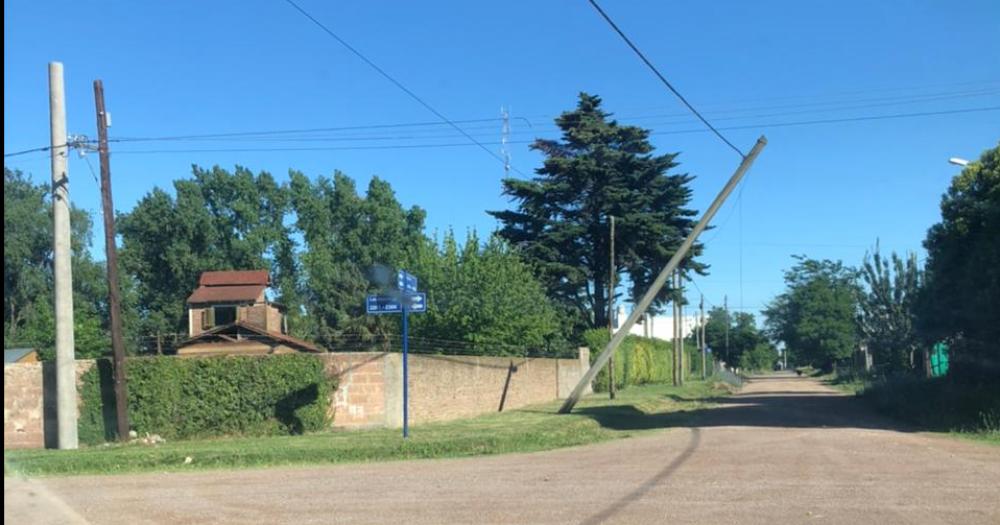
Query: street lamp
point(958, 161)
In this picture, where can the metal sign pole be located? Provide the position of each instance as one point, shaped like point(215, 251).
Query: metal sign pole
point(406, 372)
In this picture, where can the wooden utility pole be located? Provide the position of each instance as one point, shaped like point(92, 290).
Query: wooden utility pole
point(611, 304)
point(62, 266)
point(114, 296)
point(661, 278)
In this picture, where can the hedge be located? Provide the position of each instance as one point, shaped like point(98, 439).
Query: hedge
point(181, 398)
point(638, 360)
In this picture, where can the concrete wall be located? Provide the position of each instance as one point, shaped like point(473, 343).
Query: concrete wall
point(369, 392)
point(29, 412)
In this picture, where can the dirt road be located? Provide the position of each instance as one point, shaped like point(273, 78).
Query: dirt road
point(785, 450)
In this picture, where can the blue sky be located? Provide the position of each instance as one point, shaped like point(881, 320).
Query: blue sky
point(826, 190)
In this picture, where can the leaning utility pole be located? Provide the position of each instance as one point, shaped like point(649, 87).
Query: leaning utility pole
point(62, 264)
point(114, 296)
point(611, 303)
point(661, 279)
point(701, 335)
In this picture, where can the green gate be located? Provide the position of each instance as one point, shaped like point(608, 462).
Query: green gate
point(939, 360)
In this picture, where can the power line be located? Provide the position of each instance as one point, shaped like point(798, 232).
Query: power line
point(397, 83)
point(32, 150)
point(661, 77)
point(461, 144)
point(489, 123)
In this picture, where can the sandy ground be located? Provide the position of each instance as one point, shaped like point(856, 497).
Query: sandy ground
point(785, 450)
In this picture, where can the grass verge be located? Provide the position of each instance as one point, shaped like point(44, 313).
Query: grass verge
point(636, 410)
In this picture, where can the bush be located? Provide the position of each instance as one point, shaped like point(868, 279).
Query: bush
point(181, 398)
point(639, 360)
point(942, 403)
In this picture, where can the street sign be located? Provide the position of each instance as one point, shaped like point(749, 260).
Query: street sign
point(406, 282)
point(416, 302)
point(383, 304)
point(410, 300)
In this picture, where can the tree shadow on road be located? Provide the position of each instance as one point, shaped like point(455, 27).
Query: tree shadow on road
point(777, 409)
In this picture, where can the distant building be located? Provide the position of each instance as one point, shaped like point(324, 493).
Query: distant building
point(229, 313)
point(657, 326)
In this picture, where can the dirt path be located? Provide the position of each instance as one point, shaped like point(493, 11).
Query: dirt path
point(786, 450)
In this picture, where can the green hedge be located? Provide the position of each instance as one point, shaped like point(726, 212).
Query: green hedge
point(181, 398)
point(638, 360)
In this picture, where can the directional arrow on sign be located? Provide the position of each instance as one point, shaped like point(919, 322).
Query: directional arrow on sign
point(406, 282)
point(416, 302)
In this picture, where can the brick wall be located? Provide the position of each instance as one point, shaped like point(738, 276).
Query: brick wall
point(255, 315)
point(369, 392)
point(23, 415)
point(360, 400)
point(29, 412)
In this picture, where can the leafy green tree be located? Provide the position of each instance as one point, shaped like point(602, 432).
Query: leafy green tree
point(484, 296)
point(715, 330)
point(816, 317)
point(743, 334)
point(353, 245)
point(960, 300)
point(217, 220)
point(760, 358)
point(28, 279)
point(887, 310)
point(561, 225)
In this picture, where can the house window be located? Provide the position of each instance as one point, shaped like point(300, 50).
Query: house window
point(217, 316)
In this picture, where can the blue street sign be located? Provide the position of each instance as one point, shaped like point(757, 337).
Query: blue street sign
point(416, 302)
point(406, 282)
point(409, 301)
point(383, 304)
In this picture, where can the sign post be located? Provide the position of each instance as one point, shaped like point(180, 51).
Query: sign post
point(407, 300)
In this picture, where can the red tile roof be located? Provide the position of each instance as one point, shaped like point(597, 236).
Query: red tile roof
point(235, 277)
point(223, 294)
point(259, 334)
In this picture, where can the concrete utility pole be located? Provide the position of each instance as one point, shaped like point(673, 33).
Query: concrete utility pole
point(62, 265)
point(114, 299)
point(680, 330)
point(701, 335)
point(611, 303)
point(674, 314)
point(725, 305)
point(661, 279)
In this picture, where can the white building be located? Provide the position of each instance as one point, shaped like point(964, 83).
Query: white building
point(658, 326)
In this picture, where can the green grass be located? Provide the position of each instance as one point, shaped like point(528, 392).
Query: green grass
point(637, 410)
point(848, 384)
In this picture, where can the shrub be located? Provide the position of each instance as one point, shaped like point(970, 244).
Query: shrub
point(941, 403)
point(638, 360)
point(180, 398)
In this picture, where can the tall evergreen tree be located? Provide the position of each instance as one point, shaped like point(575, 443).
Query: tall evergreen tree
point(887, 310)
point(561, 225)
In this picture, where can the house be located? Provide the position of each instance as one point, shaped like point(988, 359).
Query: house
point(229, 313)
point(19, 355)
